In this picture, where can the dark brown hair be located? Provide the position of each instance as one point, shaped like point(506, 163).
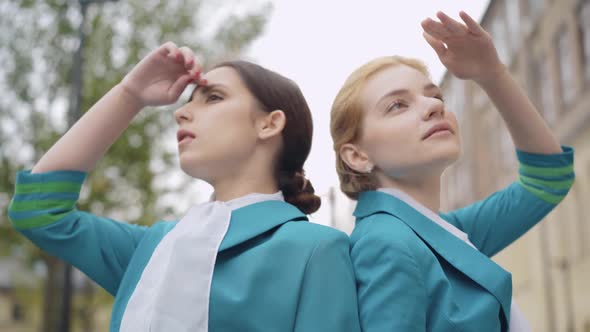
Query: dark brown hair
point(276, 92)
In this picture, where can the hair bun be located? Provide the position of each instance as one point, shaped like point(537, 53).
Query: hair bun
point(299, 191)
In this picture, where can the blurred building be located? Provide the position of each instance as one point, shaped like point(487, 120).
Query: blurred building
point(12, 316)
point(546, 45)
point(21, 298)
point(341, 209)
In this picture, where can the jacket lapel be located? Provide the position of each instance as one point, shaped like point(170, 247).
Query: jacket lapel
point(252, 220)
point(464, 258)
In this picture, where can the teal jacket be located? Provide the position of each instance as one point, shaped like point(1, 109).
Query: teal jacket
point(275, 271)
point(412, 275)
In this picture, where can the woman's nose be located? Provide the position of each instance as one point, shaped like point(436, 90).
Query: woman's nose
point(182, 115)
point(433, 107)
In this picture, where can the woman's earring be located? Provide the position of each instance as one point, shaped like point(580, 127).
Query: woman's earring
point(369, 169)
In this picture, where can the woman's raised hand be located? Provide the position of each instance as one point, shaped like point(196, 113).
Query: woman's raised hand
point(467, 50)
point(161, 77)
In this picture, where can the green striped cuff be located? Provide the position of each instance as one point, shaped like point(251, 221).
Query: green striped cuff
point(44, 198)
point(548, 177)
point(555, 160)
point(544, 194)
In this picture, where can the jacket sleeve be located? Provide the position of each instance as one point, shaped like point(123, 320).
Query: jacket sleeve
point(497, 221)
point(43, 210)
point(328, 301)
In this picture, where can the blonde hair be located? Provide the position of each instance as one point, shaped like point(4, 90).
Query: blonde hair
point(346, 119)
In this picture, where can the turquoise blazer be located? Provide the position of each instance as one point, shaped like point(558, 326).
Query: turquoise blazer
point(413, 275)
point(275, 271)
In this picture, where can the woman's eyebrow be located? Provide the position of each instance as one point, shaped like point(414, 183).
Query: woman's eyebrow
point(204, 89)
point(207, 88)
point(431, 86)
point(391, 94)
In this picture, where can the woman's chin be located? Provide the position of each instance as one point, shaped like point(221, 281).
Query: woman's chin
point(442, 158)
point(449, 158)
point(189, 167)
point(448, 152)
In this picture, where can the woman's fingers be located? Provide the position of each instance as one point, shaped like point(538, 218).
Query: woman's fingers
point(435, 29)
point(178, 87)
point(472, 25)
point(438, 46)
point(191, 62)
point(188, 57)
point(169, 49)
point(173, 52)
point(456, 28)
point(200, 80)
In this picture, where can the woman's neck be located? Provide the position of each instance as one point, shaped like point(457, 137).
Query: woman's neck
point(244, 183)
point(425, 190)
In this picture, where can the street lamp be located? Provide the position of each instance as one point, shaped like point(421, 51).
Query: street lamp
point(74, 114)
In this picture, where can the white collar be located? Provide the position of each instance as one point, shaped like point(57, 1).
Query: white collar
point(249, 199)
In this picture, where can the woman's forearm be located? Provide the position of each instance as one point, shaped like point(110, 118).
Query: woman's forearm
point(91, 136)
point(529, 131)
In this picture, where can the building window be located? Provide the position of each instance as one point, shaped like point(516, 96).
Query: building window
point(566, 70)
point(480, 98)
point(508, 155)
point(531, 10)
point(584, 26)
point(493, 168)
point(546, 91)
point(535, 8)
point(534, 83)
point(454, 92)
point(462, 185)
point(513, 19)
point(540, 88)
point(17, 312)
point(458, 98)
point(499, 35)
point(578, 204)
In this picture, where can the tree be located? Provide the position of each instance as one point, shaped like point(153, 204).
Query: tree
point(38, 39)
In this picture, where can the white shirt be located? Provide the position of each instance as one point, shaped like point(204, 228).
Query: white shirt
point(186, 255)
point(518, 323)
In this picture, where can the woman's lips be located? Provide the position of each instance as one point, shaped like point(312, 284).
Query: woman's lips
point(184, 136)
point(185, 140)
point(439, 129)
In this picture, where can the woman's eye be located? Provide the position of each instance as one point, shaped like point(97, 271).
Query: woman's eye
point(440, 97)
point(396, 106)
point(213, 97)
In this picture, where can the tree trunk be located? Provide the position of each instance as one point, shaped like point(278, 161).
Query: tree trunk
point(88, 306)
point(52, 294)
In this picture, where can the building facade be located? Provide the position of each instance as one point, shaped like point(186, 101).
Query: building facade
point(546, 46)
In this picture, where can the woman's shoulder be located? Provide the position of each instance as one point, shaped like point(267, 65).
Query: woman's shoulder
point(313, 231)
point(383, 227)
point(159, 228)
point(311, 235)
point(382, 232)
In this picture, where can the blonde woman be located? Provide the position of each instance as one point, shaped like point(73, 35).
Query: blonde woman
point(418, 269)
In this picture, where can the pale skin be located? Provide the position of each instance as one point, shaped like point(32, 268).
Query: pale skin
point(159, 79)
point(468, 52)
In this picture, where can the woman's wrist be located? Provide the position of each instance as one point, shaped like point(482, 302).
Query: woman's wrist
point(494, 75)
point(130, 96)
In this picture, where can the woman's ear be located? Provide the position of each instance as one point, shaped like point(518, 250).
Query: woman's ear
point(355, 158)
point(271, 124)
